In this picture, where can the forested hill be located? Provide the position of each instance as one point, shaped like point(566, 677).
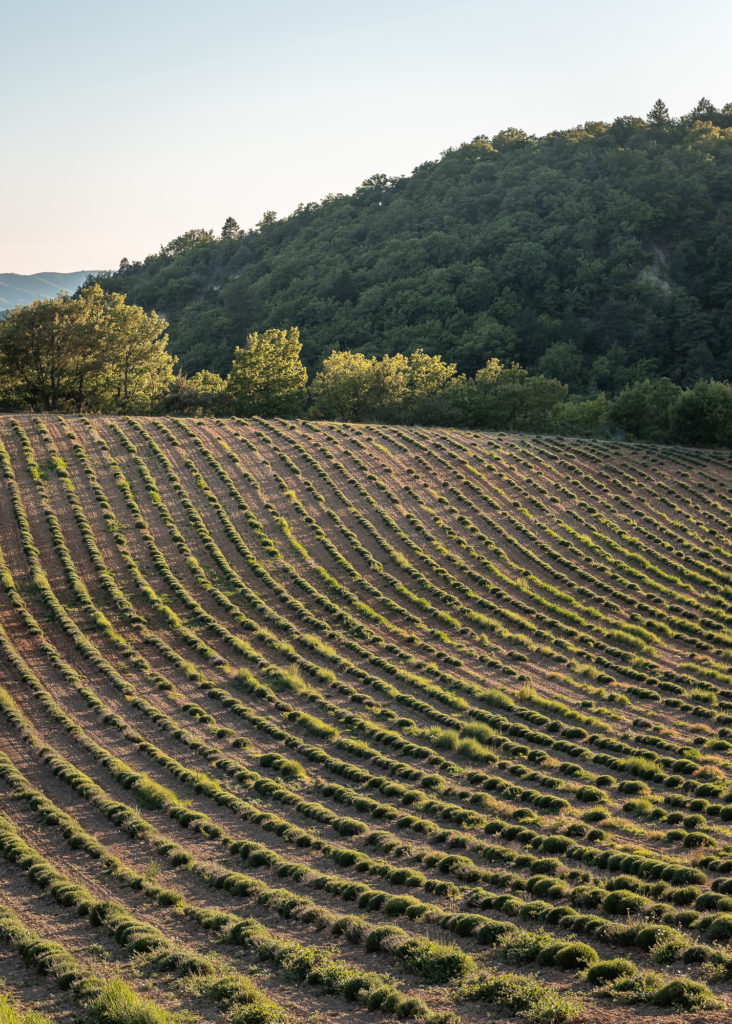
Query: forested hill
point(600, 255)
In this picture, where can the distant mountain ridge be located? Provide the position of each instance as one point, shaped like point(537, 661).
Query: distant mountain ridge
point(22, 289)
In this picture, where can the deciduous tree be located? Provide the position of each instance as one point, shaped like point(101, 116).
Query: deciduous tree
point(267, 377)
point(89, 353)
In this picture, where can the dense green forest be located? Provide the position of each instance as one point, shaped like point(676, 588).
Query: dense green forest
point(580, 283)
point(600, 255)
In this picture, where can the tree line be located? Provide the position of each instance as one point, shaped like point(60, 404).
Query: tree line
point(268, 378)
point(96, 353)
point(598, 255)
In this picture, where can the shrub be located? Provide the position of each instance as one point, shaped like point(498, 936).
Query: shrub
point(575, 955)
point(546, 955)
point(686, 995)
point(116, 1003)
point(522, 947)
point(653, 933)
point(438, 962)
point(383, 935)
point(282, 766)
point(683, 876)
point(536, 910)
point(634, 786)
point(720, 927)
point(590, 794)
point(561, 915)
point(609, 970)
point(587, 896)
point(669, 948)
point(555, 844)
point(639, 986)
point(522, 996)
point(559, 890)
point(686, 896)
point(622, 901)
point(628, 882)
point(9, 1015)
point(692, 840)
point(546, 866)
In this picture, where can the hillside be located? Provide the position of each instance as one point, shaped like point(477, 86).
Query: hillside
point(600, 255)
point(409, 715)
point(22, 289)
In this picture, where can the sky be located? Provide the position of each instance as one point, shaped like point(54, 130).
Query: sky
point(125, 124)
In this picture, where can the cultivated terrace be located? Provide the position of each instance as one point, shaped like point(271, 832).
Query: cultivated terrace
point(312, 722)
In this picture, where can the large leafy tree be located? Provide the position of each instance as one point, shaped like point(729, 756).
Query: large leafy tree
point(508, 397)
point(138, 367)
point(343, 388)
point(351, 386)
point(188, 241)
point(643, 409)
point(91, 353)
point(703, 414)
point(267, 377)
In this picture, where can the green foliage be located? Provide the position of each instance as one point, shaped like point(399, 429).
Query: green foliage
point(643, 409)
point(607, 970)
point(523, 996)
point(634, 987)
point(720, 927)
point(666, 950)
point(507, 397)
point(267, 377)
point(575, 955)
point(186, 242)
point(686, 994)
point(90, 353)
point(621, 901)
point(597, 255)
point(398, 388)
point(117, 1003)
point(203, 394)
point(435, 961)
point(652, 934)
point(590, 794)
point(703, 415)
point(10, 1015)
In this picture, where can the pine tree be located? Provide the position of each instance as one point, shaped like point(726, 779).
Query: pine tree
point(230, 229)
point(703, 111)
point(658, 114)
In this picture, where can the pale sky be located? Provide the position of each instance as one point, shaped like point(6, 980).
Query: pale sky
point(124, 124)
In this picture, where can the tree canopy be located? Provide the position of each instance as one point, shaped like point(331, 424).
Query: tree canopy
point(599, 255)
point(89, 353)
point(351, 386)
point(267, 377)
point(578, 283)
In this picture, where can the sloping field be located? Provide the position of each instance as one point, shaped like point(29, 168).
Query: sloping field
point(312, 722)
